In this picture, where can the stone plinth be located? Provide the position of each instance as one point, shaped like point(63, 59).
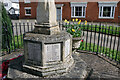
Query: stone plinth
point(46, 29)
point(47, 51)
point(47, 55)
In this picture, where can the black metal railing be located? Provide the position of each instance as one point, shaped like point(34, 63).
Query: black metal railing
point(12, 36)
point(100, 39)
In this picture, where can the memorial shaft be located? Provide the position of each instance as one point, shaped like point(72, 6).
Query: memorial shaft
point(46, 12)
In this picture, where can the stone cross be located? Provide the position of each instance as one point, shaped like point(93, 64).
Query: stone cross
point(46, 12)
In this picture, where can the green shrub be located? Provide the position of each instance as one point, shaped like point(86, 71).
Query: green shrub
point(6, 29)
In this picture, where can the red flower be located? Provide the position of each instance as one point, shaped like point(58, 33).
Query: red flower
point(5, 65)
point(81, 40)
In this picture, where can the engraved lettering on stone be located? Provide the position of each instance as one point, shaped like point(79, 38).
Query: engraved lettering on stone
point(34, 51)
point(67, 47)
point(53, 52)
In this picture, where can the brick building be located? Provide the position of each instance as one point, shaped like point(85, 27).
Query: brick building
point(99, 11)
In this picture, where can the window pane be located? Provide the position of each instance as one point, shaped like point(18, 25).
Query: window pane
point(106, 11)
point(28, 11)
point(100, 11)
point(72, 11)
point(113, 12)
point(76, 8)
point(78, 11)
point(84, 11)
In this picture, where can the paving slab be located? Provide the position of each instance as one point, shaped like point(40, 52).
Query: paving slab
point(100, 68)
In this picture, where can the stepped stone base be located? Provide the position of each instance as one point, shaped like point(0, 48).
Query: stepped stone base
point(78, 70)
point(55, 69)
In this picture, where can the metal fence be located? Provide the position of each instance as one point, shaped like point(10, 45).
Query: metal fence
point(99, 39)
point(12, 36)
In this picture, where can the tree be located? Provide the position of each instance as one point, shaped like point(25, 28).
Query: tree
point(6, 29)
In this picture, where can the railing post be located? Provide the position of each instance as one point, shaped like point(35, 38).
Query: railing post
point(98, 39)
point(119, 47)
point(119, 55)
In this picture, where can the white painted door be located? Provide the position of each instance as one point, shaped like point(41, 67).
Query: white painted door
point(59, 14)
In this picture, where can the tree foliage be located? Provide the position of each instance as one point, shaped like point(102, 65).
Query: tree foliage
point(6, 29)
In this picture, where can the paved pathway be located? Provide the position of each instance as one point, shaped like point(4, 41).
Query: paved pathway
point(101, 68)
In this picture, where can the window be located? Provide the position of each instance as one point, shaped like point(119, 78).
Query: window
point(107, 9)
point(27, 1)
point(78, 9)
point(107, 12)
point(28, 11)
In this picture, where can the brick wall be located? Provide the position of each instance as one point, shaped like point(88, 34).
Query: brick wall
point(92, 12)
point(119, 12)
point(33, 6)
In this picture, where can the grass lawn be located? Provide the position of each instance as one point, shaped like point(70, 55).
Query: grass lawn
point(114, 54)
point(17, 43)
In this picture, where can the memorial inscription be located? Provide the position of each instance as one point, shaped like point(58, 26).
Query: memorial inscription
point(67, 48)
point(53, 52)
point(34, 51)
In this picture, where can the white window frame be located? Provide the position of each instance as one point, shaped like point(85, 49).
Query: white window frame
point(25, 11)
point(78, 4)
point(107, 4)
point(27, 1)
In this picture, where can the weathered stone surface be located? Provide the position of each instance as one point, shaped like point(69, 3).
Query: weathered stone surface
point(53, 52)
point(67, 47)
point(47, 38)
point(46, 29)
point(50, 53)
point(34, 51)
point(46, 12)
point(78, 70)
